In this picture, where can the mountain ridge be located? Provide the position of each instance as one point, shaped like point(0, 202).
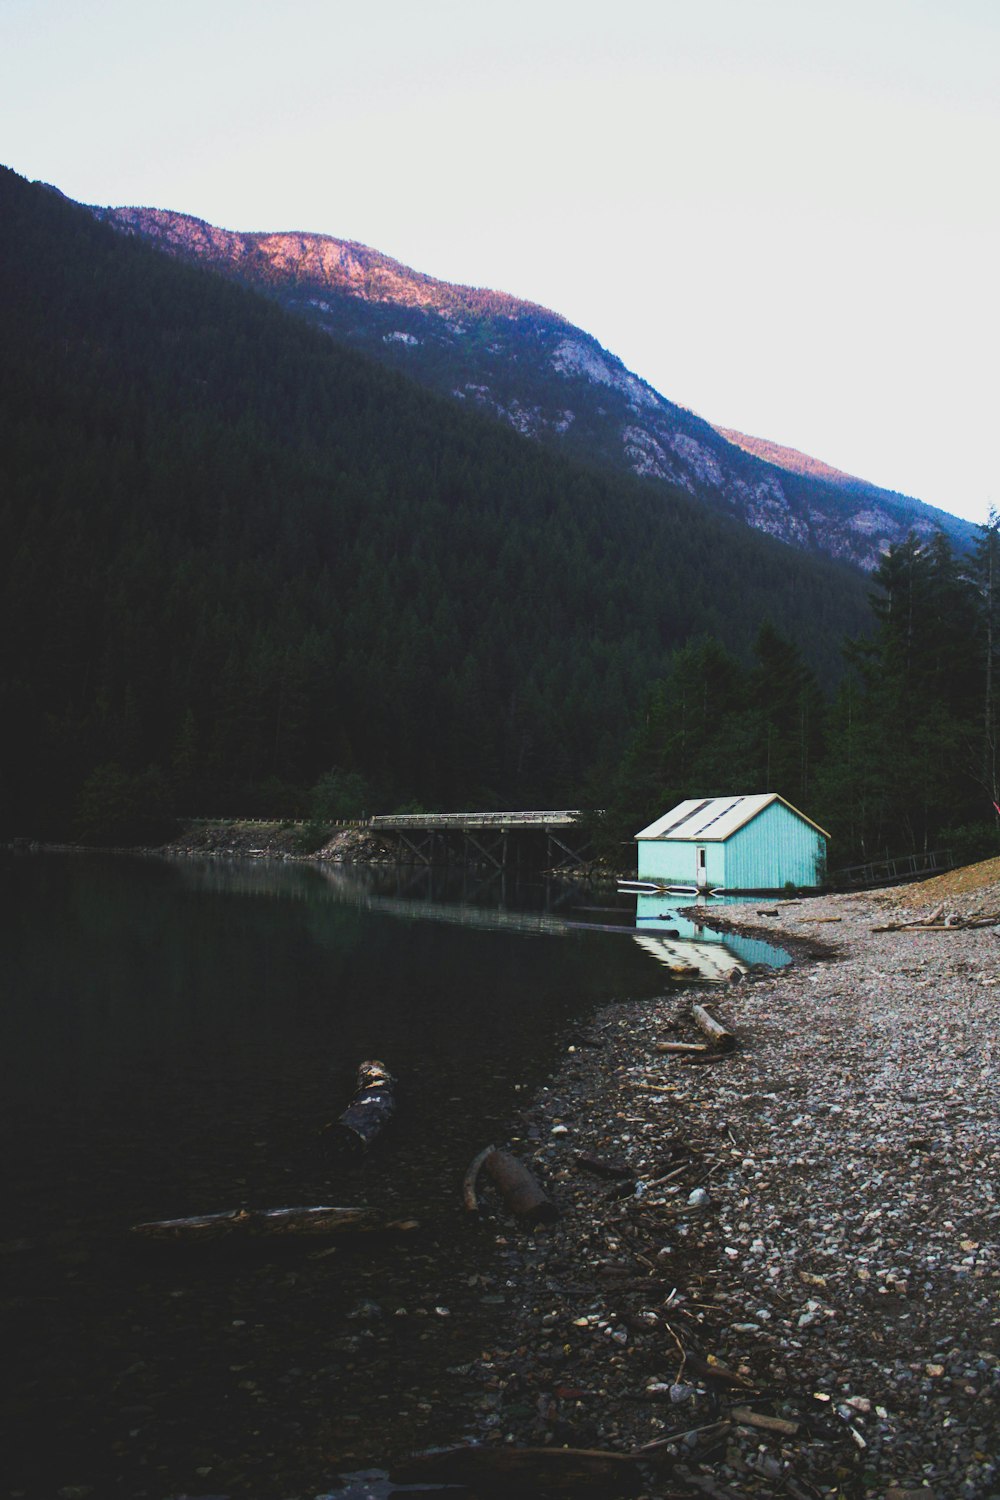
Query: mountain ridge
point(548, 379)
point(238, 554)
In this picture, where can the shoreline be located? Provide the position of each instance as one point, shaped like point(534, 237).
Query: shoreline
point(827, 1323)
point(840, 1284)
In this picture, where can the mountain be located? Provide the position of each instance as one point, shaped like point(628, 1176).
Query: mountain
point(550, 381)
point(236, 554)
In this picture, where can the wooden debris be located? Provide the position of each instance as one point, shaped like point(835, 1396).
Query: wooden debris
point(721, 1039)
point(520, 1190)
point(372, 1106)
point(761, 1420)
point(680, 1047)
point(933, 922)
point(529, 1472)
point(258, 1222)
point(709, 1432)
point(713, 1369)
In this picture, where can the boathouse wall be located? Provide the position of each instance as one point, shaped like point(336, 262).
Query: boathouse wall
point(777, 848)
point(770, 846)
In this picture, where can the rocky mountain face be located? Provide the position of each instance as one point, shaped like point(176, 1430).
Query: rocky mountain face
point(550, 381)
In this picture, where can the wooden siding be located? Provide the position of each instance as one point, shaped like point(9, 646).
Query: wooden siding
point(774, 848)
point(676, 862)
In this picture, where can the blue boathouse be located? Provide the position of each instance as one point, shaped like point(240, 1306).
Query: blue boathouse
point(752, 843)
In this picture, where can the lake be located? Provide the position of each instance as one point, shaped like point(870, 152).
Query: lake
point(175, 1037)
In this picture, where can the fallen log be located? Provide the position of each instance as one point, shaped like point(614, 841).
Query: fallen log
point(372, 1106)
point(917, 927)
point(680, 1047)
point(258, 1222)
point(528, 1472)
point(721, 1039)
point(521, 1191)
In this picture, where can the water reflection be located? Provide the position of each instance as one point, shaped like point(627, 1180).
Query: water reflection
point(500, 901)
point(692, 950)
point(175, 1034)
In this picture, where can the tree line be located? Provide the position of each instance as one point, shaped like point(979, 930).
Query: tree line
point(901, 757)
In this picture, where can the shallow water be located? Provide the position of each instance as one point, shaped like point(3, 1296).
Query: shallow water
point(174, 1037)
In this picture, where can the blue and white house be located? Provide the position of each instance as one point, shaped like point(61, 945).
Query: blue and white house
point(752, 843)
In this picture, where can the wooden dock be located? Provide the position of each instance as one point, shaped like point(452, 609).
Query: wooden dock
point(499, 840)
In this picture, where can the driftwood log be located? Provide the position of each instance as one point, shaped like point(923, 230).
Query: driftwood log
point(721, 1039)
point(952, 923)
point(587, 1473)
point(372, 1106)
point(520, 1190)
point(749, 1418)
point(252, 1223)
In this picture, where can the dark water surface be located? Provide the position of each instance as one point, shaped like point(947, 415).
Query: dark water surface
point(174, 1035)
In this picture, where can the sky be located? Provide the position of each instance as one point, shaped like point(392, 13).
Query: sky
point(783, 214)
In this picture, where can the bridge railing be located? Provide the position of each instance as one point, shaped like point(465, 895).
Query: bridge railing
point(563, 818)
point(888, 871)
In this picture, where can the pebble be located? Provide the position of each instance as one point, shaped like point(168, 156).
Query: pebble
point(852, 1148)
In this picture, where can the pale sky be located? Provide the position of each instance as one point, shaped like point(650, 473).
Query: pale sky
point(784, 214)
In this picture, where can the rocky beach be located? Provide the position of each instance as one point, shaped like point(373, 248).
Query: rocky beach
point(777, 1274)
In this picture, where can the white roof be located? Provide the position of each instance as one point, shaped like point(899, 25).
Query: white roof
point(712, 819)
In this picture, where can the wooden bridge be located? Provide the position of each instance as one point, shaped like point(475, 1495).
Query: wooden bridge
point(542, 840)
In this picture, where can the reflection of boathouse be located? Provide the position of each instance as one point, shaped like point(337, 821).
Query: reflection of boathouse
point(753, 843)
point(690, 950)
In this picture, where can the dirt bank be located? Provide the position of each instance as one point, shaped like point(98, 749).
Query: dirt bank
point(238, 838)
point(840, 1259)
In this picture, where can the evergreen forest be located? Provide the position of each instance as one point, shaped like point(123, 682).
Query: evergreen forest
point(901, 758)
point(250, 572)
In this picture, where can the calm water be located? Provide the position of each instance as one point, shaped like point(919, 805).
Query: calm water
point(174, 1037)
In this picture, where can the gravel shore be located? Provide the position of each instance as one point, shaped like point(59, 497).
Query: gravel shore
point(794, 1289)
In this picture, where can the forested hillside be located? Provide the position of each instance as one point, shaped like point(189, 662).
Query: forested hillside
point(904, 758)
point(237, 556)
point(532, 369)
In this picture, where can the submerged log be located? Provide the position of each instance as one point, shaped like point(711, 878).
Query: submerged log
point(252, 1223)
point(520, 1190)
point(372, 1106)
point(721, 1039)
point(527, 1472)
